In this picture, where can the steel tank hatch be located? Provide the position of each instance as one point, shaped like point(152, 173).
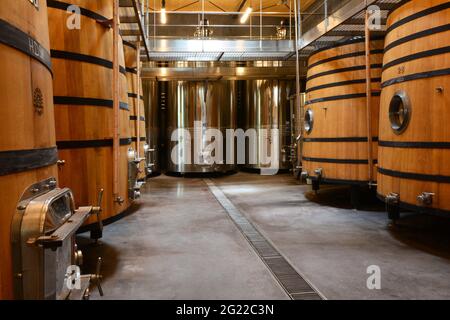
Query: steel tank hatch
point(43, 242)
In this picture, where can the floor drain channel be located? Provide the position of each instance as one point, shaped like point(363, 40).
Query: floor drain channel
point(292, 282)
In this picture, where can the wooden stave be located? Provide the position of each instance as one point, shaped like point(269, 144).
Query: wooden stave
point(102, 129)
point(151, 101)
point(32, 131)
point(411, 178)
point(130, 51)
point(133, 96)
point(353, 151)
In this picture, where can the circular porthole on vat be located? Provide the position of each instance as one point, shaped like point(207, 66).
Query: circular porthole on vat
point(309, 121)
point(399, 112)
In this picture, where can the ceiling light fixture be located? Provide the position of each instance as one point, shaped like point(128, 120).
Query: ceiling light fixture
point(246, 14)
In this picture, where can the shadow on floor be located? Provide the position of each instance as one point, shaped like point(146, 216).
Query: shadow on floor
point(199, 175)
point(91, 253)
point(340, 197)
point(134, 207)
point(424, 232)
point(258, 171)
point(153, 175)
point(427, 233)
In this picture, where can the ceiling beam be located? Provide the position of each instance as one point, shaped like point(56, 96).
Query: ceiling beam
point(186, 5)
point(241, 6)
point(215, 5)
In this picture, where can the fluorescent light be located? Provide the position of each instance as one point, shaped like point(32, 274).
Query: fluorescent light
point(246, 15)
point(163, 16)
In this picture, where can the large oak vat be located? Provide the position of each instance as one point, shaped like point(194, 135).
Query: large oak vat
point(27, 146)
point(414, 146)
point(335, 142)
point(137, 112)
point(83, 96)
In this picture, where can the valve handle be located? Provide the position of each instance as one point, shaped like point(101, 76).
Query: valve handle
point(97, 277)
point(100, 198)
point(120, 200)
point(98, 209)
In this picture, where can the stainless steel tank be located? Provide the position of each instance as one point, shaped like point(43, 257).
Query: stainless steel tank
point(151, 100)
point(267, 107)
point(209, 105)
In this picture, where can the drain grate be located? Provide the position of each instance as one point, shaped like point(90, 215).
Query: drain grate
point(292, 282)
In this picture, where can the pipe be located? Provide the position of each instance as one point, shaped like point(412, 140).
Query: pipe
point(203, 18)
point(116, 97)
point(154, 24)
point(260, 21)
point(299, 19)
point(138, 103)
point(290, 19)
point(297, 63)
point(234, 13)
point(368, 99)
point(147, 18)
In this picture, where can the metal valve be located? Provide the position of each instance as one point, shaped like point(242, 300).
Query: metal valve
point(137, 194)
point(316, 182)
point(392, 198)
point(303, 175)
point(392, 206)
point(425, 198)
point(120, 200)
point(97, 277)
point(318, 172)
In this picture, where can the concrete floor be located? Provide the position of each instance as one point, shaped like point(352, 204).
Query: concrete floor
point(180, 244)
